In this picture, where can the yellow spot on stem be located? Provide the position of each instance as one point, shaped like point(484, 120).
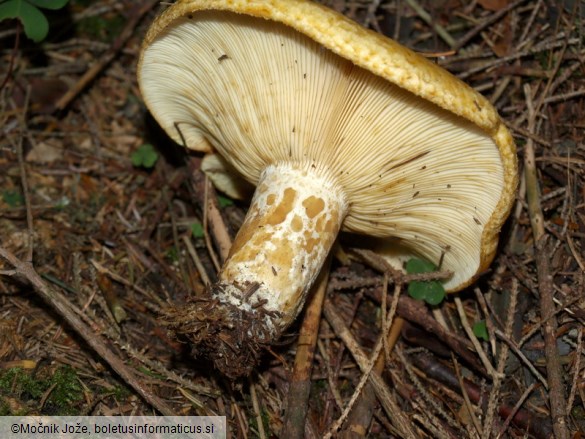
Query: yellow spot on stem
point(284, 207)
point(313, 206)
point(310, 242)
point(296, 224)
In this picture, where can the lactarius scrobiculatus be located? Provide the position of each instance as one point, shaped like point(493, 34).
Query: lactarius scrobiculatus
point(339, 128)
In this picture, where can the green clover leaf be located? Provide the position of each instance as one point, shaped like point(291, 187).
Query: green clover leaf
point(197, 230)
point(13, 198)
point(34, 22)
point(431, 291)
point(480, 330)
point(145, 156)
point(224, 201)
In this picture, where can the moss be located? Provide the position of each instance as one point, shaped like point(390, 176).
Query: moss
point(102, 27)
point(252, 422)
point(265, 416)
point(119, 393)
point(17, 382)
point(172, 255)
point(65, 390)
point(150, 373)
point(5, 409)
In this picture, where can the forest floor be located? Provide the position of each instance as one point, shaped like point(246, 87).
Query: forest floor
point(119, 222)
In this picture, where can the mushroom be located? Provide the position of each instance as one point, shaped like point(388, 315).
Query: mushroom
point(339, 128)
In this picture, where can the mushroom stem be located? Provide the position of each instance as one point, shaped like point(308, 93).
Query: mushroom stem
point(294, 218)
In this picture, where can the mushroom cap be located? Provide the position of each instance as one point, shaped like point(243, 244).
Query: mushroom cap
point(424, 160)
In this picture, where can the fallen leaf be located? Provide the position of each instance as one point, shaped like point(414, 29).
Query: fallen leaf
point(493, 5)
point(44, 152)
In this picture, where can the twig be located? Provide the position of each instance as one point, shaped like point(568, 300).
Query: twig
point(424, 15)
point(371, 15)
point(202, 191)
point(528, 26)
point(524, 419)
point(541, 47)
point(378, 263)
point(160, 204)
point(175, 234)
point(196, 401)
point(545, 287)
point(122, 280)
point(391, 325)
point(477, 430)
point(565, 96)
point(528, 134)
point(60, 305)
point(501, 363)
point(427, 396)
point(333, 366)
point(479, 296)
point(330, 378)
point(386, 398)
point(490, 20)
point(256, 407)
point(300, 382)
point(397, 21)
point(414, 311)
point(577, 368)
point(196, 260)
point(136, 15)
point(362, 410)
point(473, 338)
point(358, 389)
point(522, 357)
point(12, 55)
point(212, 220)
point(24, 179)
point(241, 421)
point(575, 253)
point(515, 409)
point(168, 374)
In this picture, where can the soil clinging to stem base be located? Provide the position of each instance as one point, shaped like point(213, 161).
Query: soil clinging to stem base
point(231, 336)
